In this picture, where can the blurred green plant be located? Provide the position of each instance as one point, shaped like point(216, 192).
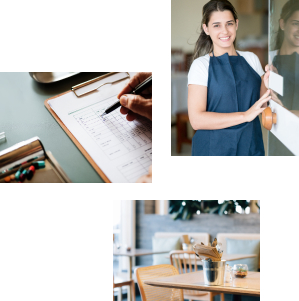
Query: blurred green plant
point(186, 209)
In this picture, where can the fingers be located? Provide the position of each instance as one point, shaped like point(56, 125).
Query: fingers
point(142, 179)
point(124, 110)
point(137, 104)
point(266, 99)
point(273, 69)
point(261, 110)
point(266, 75)
point(145, 179)
point(131, 116)
point(150, 170)
point(266, 94)
point(262, 101)
point(134, 81)
point(267, 68)
point(266, 79)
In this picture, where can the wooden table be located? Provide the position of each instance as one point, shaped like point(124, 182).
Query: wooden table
point(250, 285)
point(135, 253)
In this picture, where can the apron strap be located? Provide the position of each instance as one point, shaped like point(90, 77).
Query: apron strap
point(214, 55)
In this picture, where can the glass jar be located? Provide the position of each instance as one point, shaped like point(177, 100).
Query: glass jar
point(228, 276)
point(240, 270)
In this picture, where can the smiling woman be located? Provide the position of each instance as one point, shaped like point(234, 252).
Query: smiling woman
point(226, 89)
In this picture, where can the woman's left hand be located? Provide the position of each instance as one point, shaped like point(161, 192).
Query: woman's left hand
point(146, 178)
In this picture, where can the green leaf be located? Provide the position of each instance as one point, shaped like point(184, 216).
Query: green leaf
point(185, 214)
point(175, 216)
point(189, 216)
point(223, 208)
point(213, 210)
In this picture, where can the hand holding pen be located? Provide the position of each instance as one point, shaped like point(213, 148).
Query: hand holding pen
point(134, 105)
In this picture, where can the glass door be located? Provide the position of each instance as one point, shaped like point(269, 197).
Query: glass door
point(282, 117)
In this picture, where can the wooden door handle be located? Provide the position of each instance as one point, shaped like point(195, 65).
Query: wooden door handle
point(268, 118)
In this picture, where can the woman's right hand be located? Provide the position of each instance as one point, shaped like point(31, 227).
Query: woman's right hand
point(257, 108)
point(266, 76)
point(134, 105)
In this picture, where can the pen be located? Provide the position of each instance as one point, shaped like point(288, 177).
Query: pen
point(142, 86)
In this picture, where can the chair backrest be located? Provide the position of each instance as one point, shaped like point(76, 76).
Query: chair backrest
point(221, 237)
point(184, 261)
point(154, 293)
point(198, 236)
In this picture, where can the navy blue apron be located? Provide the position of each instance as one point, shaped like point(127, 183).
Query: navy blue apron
point(233, 86)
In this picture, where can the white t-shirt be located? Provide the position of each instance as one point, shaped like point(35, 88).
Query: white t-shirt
point(199, 70)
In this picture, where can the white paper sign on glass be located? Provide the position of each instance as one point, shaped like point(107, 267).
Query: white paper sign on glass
point(276, 82)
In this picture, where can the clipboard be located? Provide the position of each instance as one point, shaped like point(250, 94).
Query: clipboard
point(74, 90)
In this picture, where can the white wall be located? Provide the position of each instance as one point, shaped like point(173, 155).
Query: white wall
point(185, 20)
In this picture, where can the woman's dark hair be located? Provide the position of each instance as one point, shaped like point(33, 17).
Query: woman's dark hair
point(204, 43)
point(288, 9)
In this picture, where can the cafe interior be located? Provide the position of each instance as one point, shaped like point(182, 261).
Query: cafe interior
point(186, 250)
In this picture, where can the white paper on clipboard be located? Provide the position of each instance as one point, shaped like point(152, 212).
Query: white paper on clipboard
point(121, 149)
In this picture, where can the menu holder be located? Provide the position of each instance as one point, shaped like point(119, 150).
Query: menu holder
point(206, 251)
point(186, 239)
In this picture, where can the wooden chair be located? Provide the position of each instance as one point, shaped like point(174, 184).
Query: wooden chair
point(178, 60)
point(183, 261)
point(153, 293)
point(182, 119)
point(181, 60)
point(121, 283)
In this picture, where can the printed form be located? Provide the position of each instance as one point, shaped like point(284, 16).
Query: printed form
point(122, 149)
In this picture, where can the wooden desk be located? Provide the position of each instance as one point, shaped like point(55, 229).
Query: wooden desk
point(135, 253)
point(23, 116)
point(250, 285)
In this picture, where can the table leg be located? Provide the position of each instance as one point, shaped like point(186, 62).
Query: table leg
point(130, 277)
point(236, 297)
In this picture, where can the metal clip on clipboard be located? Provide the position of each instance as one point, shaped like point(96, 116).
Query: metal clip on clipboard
point(123, 76)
